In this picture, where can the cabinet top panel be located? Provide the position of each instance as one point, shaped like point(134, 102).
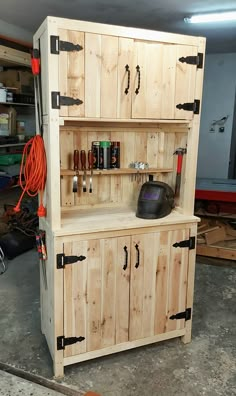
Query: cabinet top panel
point(121, 31)
point(113, 219)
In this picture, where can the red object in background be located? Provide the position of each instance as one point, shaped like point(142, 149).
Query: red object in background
point(210, 195)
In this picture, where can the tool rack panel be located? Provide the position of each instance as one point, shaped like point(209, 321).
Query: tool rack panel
point(114, 281)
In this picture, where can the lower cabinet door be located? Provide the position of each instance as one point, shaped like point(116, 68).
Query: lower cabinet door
point(96, 293)
point(158, 283)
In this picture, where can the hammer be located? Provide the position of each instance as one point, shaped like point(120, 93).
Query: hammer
point(179, 152)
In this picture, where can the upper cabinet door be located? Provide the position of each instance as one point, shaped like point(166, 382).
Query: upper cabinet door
point(122, 78)
point(162, 81)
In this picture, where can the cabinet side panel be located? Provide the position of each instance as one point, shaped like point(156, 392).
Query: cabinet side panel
point(122, 289)
point(109, 75)
point(92, 75)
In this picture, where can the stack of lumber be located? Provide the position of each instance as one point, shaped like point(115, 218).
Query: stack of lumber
point(216, 238)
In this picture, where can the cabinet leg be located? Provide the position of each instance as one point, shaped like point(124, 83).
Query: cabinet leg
point(188, 335)
point(58, 369)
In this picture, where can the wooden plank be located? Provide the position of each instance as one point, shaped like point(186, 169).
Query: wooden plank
point(123, 347)
point(63, 72)
point(168, 81)
point(66, 161)
point(162, 284)
point(76, 74)
point(13, 56)
point(136, 291)
point(190, 285)
point(94, 296)
point(177, 283)
point(122, 290)
point(108, 248)
point(109, 76)
point(216, 235)
point(129, 32)
point(185, 81)
point(215, 251)
point(92, 75)
point(125, 57)
point(148, 292)
point(75, 298)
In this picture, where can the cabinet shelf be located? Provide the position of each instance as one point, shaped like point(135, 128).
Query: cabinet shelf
point(120, 171)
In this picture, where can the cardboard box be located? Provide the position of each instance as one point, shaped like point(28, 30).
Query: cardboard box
point(21, 79)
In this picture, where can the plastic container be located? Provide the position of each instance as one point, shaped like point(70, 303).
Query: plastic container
point(115, 154)
point(3, 94)
point(105, 155)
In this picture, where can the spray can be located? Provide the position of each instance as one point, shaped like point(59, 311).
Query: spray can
point(115, 154)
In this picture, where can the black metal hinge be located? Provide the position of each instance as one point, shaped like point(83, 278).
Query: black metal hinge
point(62, 342)
point(183, 315)
point(58, 100)
point(58, 45)
point(189, 243)
point(63, 260)
point(194, 106)
point(193, 60)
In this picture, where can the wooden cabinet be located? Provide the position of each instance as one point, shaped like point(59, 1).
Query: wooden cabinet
point(124, 289)
point(116, 281)
point(114, 77)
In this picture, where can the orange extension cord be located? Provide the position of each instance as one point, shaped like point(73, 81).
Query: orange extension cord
point(34, 168)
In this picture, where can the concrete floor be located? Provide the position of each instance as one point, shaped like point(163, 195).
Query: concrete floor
point(206, 366)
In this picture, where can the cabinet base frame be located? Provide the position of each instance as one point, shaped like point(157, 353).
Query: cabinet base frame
point(122, 347)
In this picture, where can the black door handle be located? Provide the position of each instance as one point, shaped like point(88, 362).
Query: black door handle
point(126, 258)
point(139, 79)
point(128, 83)
point(138, 256)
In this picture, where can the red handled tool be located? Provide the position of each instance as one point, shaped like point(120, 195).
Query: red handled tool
point(90, 166)
point(179, 152)
point(76, 168)
point(83, 167)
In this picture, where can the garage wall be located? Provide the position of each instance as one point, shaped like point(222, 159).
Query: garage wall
point(218, 101)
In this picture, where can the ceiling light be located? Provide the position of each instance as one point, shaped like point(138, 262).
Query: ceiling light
point(216, 17)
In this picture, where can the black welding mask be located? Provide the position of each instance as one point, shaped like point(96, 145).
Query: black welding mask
point(156, 200)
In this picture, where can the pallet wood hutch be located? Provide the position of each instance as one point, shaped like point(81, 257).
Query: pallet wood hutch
point(115, 281)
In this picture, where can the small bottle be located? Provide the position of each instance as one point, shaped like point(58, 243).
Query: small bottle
point(105, 155)
point(115, 154)
point(96, 154)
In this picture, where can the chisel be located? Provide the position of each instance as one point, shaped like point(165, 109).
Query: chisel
point(90, 166)
point(83, 167)
point(76, 168)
